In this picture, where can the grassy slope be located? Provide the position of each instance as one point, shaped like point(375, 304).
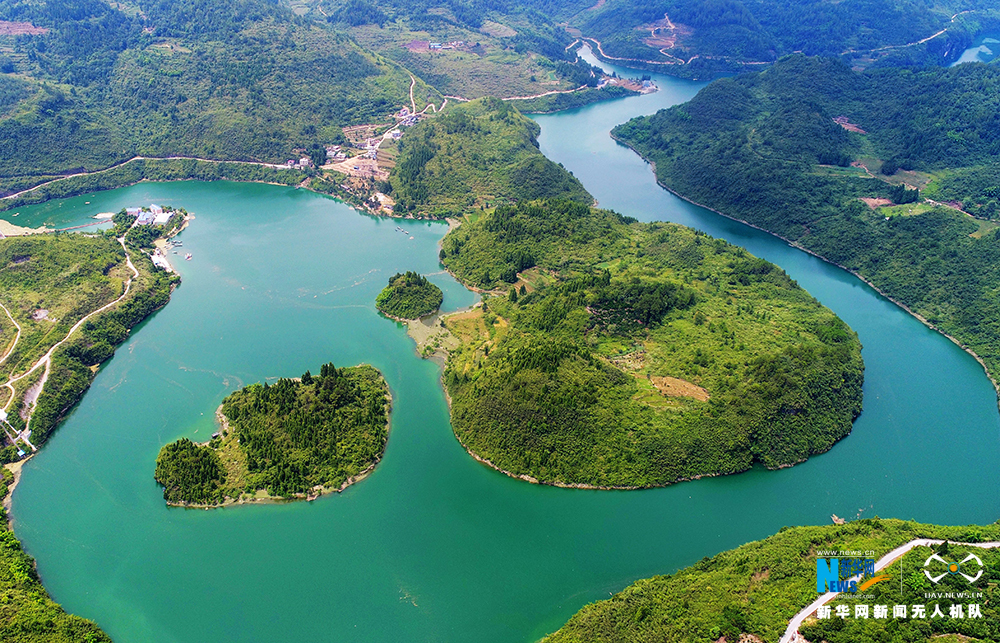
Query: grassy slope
point(286, 440)
point(758, 587)
point(514, 49)
point(561, 384)
point(750, 148)
point(476, 154)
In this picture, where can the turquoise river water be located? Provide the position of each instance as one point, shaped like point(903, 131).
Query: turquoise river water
point(434, 546)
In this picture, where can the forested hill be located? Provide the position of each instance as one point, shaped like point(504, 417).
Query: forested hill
point(758, 587)
point(634, 355)
point(765, 148)
point(225, 79)
point(720, 32)
point(476, 155)
point(296, 438)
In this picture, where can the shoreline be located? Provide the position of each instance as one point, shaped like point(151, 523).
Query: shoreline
point(798, 246)
point(315, 492)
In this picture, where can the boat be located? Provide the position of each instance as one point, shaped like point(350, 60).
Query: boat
point(188, 256)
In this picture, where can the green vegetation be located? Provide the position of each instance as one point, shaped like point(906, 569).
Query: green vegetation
point(409, 296)
point(478, 153)
point(68, 276)
point(633, 355)
point(28, 614)
point(231, 80)
point(758, 587)
point(751, 147)
point(722, 34)
point(559, 102)
point(493, 48)
point(295, 438)
point(155, 170)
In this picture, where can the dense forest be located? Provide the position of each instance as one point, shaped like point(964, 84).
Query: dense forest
point(290, 439)
point(757, 588)
point(226, 79)
point(409, 296)
point(632, 355)
point(765, 148)
point(720, 34)
point(479, 153)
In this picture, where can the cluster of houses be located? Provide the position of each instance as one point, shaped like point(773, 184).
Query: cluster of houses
point(153, 215)
point(302, 163)
point(451, 45)
point(335, 153)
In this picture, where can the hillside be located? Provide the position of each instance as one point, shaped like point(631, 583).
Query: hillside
point(49, 283)
point(765, 148)
point(492, 48)
point(296, 438)
point(226, 79)
point(473, 156)
point(691, 37)
point(756, 588)
point(634, 355)
point(409, 296)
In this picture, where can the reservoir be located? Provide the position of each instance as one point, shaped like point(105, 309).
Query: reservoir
point(434, 546)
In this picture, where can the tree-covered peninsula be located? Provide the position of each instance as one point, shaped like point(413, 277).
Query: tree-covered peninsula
point(409, 296)
point(831, 159)
point(623, 354)
point(476, 155)
point(296, 439)
point(758, 587)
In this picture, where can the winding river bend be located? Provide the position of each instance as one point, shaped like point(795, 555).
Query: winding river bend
point(434, 546)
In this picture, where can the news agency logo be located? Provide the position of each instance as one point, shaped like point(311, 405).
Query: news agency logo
point(951, 568)
point(844, 574)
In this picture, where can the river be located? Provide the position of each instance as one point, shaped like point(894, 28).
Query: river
point(434, 546)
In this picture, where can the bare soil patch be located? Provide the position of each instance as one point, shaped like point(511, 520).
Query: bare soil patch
point(874, 203)
point(8, 28)
point(844, 122)
point(673, 387)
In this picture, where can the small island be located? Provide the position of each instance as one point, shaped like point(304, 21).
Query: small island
point(297, 439)
point(409, 296)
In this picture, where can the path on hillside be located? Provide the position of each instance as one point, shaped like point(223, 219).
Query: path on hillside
point(910, 44)
point(792, 635)
point(46, 359)
point(140, 158)
point(17, 337)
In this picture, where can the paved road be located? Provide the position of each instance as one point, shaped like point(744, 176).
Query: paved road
point(792, 633)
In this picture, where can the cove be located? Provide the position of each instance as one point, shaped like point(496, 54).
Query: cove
point(434, 546)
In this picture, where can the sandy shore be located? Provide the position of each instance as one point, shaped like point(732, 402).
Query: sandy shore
point(8, 229)
point(15, 468)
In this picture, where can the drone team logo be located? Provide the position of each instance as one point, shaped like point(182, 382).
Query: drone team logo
point(936, 563)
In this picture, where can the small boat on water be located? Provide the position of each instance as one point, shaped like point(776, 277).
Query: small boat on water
point(188, 256)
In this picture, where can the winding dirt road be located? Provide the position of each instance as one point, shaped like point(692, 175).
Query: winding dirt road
point(46, 359)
